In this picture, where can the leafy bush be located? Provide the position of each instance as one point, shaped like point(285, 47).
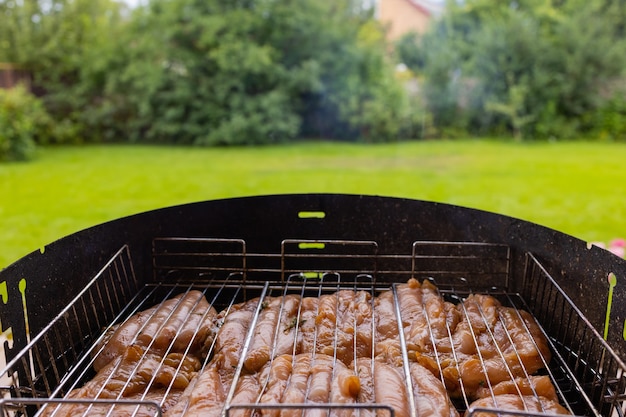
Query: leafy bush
point(23, 123)
point(609, 120)
point(528, 68)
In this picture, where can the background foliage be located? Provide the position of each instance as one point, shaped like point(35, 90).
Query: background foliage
point(529, 68)
point(243, 72)
point(23, 122)
point(207, 72)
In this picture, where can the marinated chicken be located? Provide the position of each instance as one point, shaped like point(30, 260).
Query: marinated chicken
point(305, 330)
point(537, 385)
point(296, 389)
point(263, 337)
point(492, 344)
point(343, 348)
point(514, 402)
point(180, 324)
point(130, 377)
point(274, 379)
point(431, 398)
point(274, 333)
point(382, 383)
point(205, 395)
point(234, 325)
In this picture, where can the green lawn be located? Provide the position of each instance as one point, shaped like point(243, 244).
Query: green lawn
point(574, 187)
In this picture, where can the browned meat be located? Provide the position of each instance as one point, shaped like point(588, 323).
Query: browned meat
point(365, 371)
point(289, 327)
point(431, 398)
point(382, 383)
point(205, 396)
point(385, 317)
point(344, 389)
point(263, 337)
point(306, 331)
point(390, 389)
point(296, 389)
point(330, 338)
point(320, 378)
point(493, 344)
point(167, 398)
point(343, 317)
point(231, 336)
point(443, 317)
point(358, 322)
point(533, 385)
point(512, 402)
point(275, 377)
point(135, 375)
point(387, 347)
point(341, 348)
point(528, 344)
point(248, 391)
point(478, 314)
point(412, 312)
point(175, 325)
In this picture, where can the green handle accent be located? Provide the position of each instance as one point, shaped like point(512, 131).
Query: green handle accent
point(4, 292)
point(612, 284)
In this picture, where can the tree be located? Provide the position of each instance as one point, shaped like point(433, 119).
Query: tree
point(215, 73)
point(66, 45)
point(532, 67)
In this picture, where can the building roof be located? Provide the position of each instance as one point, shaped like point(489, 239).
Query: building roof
point(429, 7)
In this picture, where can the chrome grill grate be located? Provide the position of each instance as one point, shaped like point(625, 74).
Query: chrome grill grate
point(588, 376)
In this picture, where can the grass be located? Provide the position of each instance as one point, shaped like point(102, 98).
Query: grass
point(575, 187)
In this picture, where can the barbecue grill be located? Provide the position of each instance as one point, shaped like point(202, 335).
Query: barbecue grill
point(58, 302)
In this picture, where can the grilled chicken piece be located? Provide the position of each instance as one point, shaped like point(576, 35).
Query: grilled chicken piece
point(414, 321)
point(135, 375)
point(528, 344)
point(296, 389)
point(478, 313)
point(274, 332)
point(385, 317)
point(538, 385)
point(248, 391)
point(263, 337)
point(289, 327)
point(166, 399)
point(357, 321)
point(320, 378)
point(442, 319)
point(205, 396)
point(493, 344)
point(345, 388)
point(231, 336)
point(431, 398)
point(365, 370)
point(306, 331)
point(382, 383)
point(328, 337)
point(179, 324)
point(390, 389)
point(275, 378)
point(341, 318)
point(513, 403)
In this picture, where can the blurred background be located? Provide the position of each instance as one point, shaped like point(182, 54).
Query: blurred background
point(109, 108)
